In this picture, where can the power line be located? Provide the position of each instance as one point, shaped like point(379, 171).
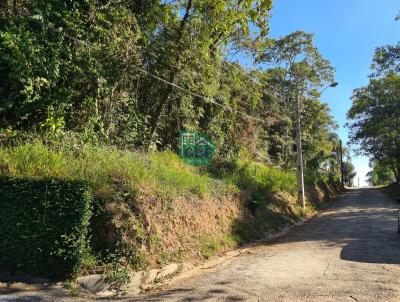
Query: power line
point(151, 52)
point(209, 100)
point(269, 93)
point(211, 50)
point(230, 109)
point(272, 94)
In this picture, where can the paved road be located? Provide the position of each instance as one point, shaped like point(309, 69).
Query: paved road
point(350, 253)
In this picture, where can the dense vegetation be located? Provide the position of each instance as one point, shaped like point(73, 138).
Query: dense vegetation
point(44, 226)
point(375, 124)
point(83, 68)
point(97, 91)
point(380, 174)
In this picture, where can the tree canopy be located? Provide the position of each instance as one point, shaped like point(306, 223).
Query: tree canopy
point(374, 116)
point(131, 74)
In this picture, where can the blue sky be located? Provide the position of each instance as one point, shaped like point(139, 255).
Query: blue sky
point(347, 33)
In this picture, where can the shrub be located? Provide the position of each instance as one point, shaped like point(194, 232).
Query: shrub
point(43, 226)
point(314, 178)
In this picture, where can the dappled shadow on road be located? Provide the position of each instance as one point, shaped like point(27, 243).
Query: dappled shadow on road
point(363, 224)
point(190, 294)
point(32, 291)
point(22, 294)
point(20, 299)
point(361, 227)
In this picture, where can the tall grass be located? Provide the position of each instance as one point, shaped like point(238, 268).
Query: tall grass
point(107, 169)
point(104, 168)
point(260, 177)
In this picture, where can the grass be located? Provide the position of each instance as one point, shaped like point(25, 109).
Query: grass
point(272, 215)
point(117, 175)
point(210, 246)
point(104, 168)
point(164, 174)
point(261, 178)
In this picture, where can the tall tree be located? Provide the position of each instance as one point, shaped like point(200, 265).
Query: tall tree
point(349, 173)
point(186, 50)
point(300, 72)
point(375, 122)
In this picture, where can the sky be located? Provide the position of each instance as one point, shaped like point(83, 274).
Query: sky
point(347, 33)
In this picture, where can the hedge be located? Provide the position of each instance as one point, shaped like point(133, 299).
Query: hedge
point(43, 226)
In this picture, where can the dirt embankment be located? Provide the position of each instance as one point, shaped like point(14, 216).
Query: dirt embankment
point(159, 231)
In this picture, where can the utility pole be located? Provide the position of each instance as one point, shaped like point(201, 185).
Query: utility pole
point(300, 175)
point(341, 163)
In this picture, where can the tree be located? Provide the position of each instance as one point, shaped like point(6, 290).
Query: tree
point(58, 62)
point(299, 73)
point(349, 173)
point(380, 174)
point(186, 50)
point(386, 60)
point(375, 123)
point(133, 73)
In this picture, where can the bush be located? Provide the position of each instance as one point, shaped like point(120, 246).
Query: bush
point(314, 178)
point(43, 226)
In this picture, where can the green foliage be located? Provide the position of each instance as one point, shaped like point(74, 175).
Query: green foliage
point(163, 173)
point(268, 215)
point(51, 81)
point(210, 246)
point(117, 274)
point(259, 177)
point(302, 60)
point(299, 72)
point(381, 174)
point(315, 177)
point(43, 226)
point(386, 60)
point(73, 67)
point(77, 74)
point(374, 125)
point(349, 173)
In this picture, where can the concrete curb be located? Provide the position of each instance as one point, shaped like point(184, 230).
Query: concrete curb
point(140, 280)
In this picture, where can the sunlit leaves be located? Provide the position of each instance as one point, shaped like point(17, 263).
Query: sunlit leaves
point(375, 123)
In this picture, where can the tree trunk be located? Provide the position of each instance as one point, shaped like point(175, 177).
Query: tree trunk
point(396, 169)
point(172, 76)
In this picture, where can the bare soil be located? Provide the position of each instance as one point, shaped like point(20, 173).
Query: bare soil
point(350, 252)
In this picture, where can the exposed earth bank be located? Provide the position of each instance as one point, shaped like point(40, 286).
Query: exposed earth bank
point(350, 252)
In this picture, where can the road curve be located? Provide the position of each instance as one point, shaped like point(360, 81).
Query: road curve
point(351, 252)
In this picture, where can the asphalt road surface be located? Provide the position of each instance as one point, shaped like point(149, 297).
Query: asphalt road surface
point(351, 252)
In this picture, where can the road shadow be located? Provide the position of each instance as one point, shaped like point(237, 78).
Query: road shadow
point(222, 292)
point(363, 223)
